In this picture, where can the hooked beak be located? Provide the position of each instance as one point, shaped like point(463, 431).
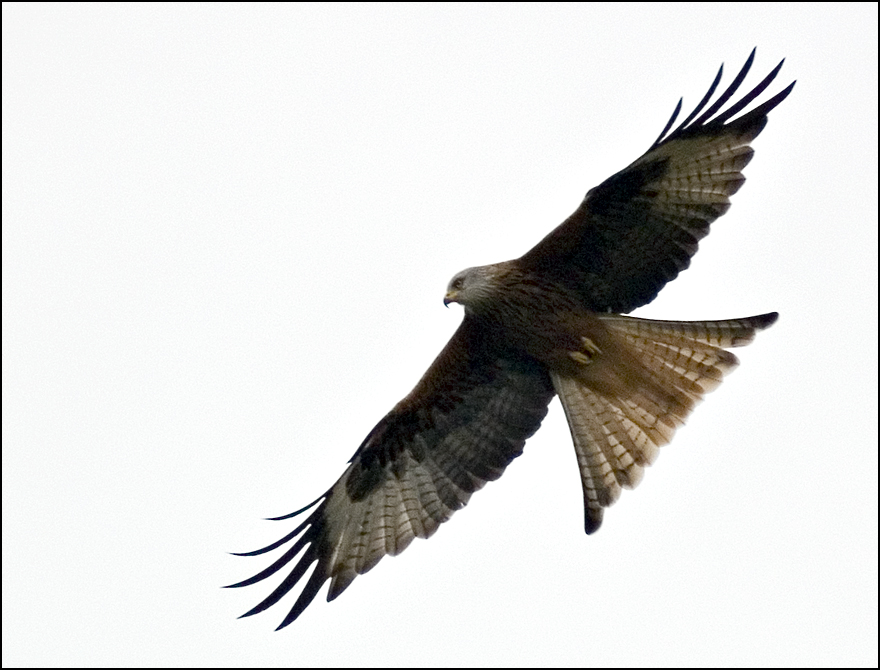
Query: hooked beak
point(450, 297)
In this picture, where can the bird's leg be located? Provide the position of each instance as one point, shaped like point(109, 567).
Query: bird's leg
point(590, 350)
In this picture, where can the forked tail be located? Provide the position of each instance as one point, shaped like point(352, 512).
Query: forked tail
point(618, 427)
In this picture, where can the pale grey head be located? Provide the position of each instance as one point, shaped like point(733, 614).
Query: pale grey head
point(472, 286)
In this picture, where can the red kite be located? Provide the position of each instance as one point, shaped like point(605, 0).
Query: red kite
point(549, 323)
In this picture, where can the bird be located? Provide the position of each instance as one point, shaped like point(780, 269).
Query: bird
point(549, 323)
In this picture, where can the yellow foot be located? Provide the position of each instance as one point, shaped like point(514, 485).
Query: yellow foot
point(586, 356)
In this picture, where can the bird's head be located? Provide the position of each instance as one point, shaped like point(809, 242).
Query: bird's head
point(471, 287)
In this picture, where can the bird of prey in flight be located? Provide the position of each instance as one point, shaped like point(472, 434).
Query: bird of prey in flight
point(549, 323)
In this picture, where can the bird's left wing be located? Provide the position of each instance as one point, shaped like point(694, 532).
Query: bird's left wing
point(462, 424)
point(638, 229)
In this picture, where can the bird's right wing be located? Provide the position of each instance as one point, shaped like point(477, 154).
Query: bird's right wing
point(463, 423)
point(638, 229)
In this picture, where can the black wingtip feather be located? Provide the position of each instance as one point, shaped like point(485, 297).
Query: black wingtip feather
point(303, 553)
point(306, 596)
point(671, 121)
point(292, 534)
point(706, 120)
point(751, 95)
point(703, 102)
point(729, 92)
point(287, 585)
point(299, 511)
point(277, 565)
point(766, 107)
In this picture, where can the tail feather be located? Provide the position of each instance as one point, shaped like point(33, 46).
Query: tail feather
point(672, 364)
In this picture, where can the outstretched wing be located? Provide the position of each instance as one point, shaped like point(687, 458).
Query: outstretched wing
point(637, 230)
point(466, 419)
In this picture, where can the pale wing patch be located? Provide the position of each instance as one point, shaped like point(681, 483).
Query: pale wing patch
point(405, 507)
point(699, 171)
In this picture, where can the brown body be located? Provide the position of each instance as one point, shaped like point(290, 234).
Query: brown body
point(626, 384)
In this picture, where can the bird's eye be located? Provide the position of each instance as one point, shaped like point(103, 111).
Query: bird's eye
point(457, 284)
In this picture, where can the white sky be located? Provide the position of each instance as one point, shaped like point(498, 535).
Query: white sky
point(226, 235)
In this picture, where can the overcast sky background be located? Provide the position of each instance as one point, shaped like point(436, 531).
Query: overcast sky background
point(226, 235)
